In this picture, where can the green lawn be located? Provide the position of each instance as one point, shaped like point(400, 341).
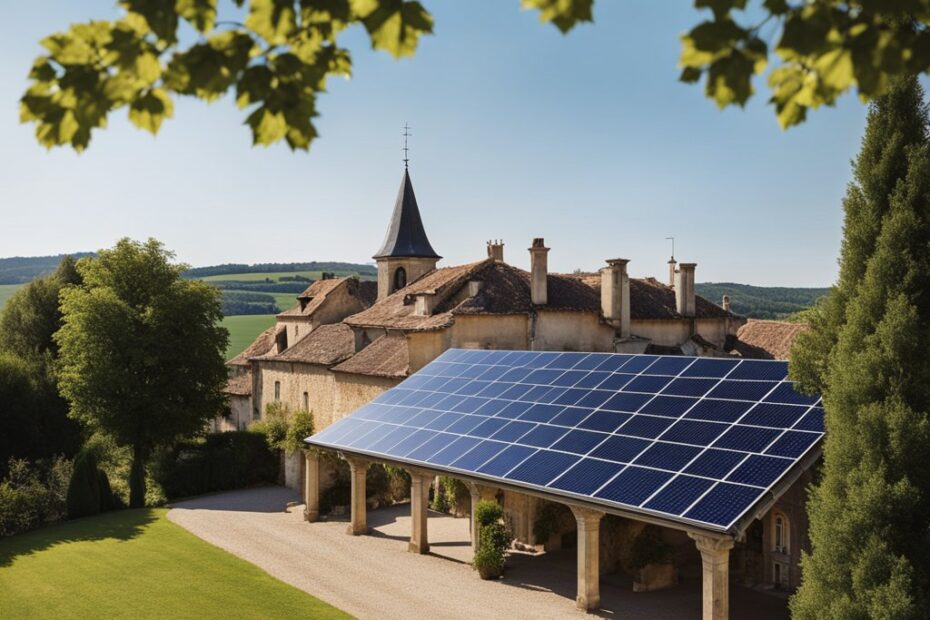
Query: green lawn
point(274, 276)
point(6, 291)
point(243, 329)
point(137, 564)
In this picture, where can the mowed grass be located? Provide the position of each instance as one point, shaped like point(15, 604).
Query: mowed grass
point(273, 276)
point(6, 291)
point(243, 329)
point(137, 564)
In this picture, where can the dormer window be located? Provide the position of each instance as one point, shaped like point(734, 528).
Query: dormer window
point(400, 278)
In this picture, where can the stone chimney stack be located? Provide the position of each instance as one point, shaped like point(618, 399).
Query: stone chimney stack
point(539, 271)
point(671, 271)
point(496, 250)
point(726, 303)
point(684, 289)
point(615, 295)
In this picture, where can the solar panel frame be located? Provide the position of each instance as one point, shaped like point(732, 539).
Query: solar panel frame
point(473, 384)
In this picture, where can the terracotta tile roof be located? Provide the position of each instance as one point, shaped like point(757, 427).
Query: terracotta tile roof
point(651, 299)
point(765, 339)
point(240, 385)
point(397, 311)
point(260, 346)
point(388, 356)
point(315, 295)
point(327, 345)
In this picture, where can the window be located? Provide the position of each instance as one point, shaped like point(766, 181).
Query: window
point(400, 278)
point(306, 401)
point(277, 390)
point(780, 533)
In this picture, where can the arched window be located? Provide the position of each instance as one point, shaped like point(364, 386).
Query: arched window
point(400, 278)
point(780, 533)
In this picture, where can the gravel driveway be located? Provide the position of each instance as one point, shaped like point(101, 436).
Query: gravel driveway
point(376, 577)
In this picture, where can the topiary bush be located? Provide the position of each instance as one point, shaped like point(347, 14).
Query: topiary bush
point(218, 462)
point(493, 540)
point(84, 488)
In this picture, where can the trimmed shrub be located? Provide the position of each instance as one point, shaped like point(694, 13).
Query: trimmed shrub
point(493, 539)
point(84, 488)
point(299, 427)
point(33, 494)
point(218, 462)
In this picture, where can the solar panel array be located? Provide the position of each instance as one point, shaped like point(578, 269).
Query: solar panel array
point(690, 439)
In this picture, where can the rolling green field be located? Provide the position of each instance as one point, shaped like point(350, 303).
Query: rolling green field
point(6, 291)
point(243, 329)
point(137, 564)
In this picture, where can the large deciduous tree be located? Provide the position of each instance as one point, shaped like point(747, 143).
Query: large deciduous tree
point(277, 58)
point(141, 351)
point(33, 416)
point(870, 512)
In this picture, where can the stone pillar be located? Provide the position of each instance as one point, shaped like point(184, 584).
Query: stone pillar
point(419, 502)
point(311, 486)
point(359, 522)
point(715, 558)
point(589, 569)
point(478, 493)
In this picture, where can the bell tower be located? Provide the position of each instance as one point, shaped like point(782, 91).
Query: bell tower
point(406, 253)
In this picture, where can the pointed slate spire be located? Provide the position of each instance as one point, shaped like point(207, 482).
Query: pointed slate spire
point(405, 236)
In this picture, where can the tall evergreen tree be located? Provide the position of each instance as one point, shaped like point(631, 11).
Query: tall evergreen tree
point(896, 122)
point(870, 512)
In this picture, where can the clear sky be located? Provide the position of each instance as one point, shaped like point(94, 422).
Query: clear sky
point(587, 140)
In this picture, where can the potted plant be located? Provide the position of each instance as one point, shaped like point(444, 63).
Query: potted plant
point(493, 540)
point(651, 561)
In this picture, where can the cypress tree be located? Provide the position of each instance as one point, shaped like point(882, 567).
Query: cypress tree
point(870, 512)
point(895, 123)
point(84, 489)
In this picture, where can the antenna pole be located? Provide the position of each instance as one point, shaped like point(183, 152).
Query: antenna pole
point(672, 239)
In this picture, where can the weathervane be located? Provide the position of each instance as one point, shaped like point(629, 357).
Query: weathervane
point(407, 134)
point(672, 239)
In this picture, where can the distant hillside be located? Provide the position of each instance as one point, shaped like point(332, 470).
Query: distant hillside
point(761, 302)
point(23, 269)
point(234, 268)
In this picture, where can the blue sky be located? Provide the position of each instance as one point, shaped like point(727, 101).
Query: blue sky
point(587, 140)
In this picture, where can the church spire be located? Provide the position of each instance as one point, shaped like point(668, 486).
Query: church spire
point(406, 236)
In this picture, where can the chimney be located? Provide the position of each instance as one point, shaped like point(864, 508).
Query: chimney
point(726, 303)
point(539, 272)
point(684, 289)
point(496, 250)
point(615, 295)
point(671, 271)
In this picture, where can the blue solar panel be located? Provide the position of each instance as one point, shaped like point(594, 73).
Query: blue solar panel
point(697, 440)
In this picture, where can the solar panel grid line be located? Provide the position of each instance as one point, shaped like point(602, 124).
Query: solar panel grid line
point(696, 456)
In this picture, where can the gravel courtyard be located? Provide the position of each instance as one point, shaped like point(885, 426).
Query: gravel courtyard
point(376, 577)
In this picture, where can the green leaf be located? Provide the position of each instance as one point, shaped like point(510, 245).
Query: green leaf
point(200, 13)
point(273, 20)
point(729, 79)
point(148, 111)
point(690, 75)
point(564, 14)
point(394, 25)
point(267, 127)
point(161, 17)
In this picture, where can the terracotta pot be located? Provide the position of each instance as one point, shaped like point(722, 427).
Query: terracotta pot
point(489, 572)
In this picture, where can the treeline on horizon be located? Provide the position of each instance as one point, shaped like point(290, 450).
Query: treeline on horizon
point(25, 269)
point(761, 302)
point(233, 268)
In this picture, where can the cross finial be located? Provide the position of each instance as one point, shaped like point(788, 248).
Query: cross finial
point(672, 239)
point(407, 134)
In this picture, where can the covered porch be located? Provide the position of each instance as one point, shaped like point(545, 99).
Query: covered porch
point(570, 573)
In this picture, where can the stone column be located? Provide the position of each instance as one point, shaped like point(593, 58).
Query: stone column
point(478, 492)
point(311, 486)
point(357, 470)
point(715, 557)
point(419, 503)
point(589, 547)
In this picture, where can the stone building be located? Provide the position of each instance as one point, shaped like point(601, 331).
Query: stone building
point(346, 341)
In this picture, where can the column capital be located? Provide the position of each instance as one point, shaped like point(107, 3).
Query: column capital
point(355, 462)
point(587, 516)
point(712, 545)
point(419, 473)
